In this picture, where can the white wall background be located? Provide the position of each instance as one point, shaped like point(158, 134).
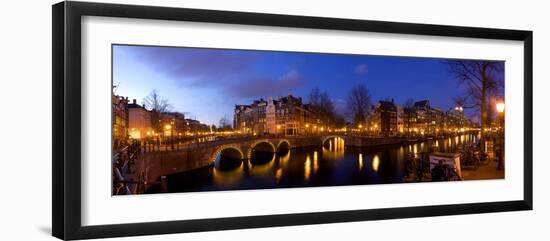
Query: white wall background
point(25, 122)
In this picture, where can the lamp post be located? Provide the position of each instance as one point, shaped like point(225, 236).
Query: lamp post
point(169, 128)
point(500, 110)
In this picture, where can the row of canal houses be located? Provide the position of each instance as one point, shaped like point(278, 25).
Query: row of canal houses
point(289, 115)
point(132, 120)
point(389, 119)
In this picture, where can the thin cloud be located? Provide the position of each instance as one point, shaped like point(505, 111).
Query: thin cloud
point(195, 67)
point(264, 87)
point(361, 69)
point(232, 72)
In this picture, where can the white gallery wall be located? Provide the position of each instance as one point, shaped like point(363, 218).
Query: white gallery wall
point(25, 122)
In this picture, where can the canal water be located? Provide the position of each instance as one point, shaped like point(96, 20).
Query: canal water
point(331, 165)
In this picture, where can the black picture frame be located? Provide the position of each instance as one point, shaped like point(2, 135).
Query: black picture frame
point(66, 128)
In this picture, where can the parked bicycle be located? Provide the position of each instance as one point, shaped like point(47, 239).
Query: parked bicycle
point(444, 172)
point(417, 167)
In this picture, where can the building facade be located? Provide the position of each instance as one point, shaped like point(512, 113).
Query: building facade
point(119, 108)
point(139, 121)
point(195, 127)
point(424, 119)
point(282, 116)
point(173, 124)
point(455, 119)
point(383, 118)
point(400, 119)
point(251, 119)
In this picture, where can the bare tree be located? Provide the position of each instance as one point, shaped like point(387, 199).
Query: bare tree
point(157, 105)
point(224, 123)
point(358, 103)
point(314, 96)
point(463, 101)
point(324, 106)
point(482, 79)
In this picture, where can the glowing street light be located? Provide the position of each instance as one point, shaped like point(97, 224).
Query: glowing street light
point(500, 107)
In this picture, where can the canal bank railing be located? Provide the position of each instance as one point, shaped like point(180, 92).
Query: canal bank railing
point(127, 176)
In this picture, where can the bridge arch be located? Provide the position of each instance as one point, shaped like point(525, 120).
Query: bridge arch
point(261, 145)
point(230, 151)
point(284, 145)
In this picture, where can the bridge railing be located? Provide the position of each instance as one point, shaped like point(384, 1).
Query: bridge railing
point(158, 145)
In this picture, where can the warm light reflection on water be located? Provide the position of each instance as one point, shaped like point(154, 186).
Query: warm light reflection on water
point(283, 159)
point(227, 177)
point(307, 168)
point(279, 174)
point(315, 162)
point(335, 149)
point(261, 168)
point(375, 163)
point(360, 161)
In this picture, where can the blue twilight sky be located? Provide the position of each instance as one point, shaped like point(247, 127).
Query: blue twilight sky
point(205, 84)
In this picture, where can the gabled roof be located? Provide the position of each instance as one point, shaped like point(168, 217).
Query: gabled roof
point(422, 104)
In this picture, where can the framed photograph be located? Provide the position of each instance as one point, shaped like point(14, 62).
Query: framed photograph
point(169, 120)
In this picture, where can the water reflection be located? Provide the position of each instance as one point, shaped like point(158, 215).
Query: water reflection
point(307, 168)
point(335, 149)
point(279, 174)
point(315, 162)
point(375, 163)
point(328, 165)
point(227, 177)
point(261, 163)
point(360, 160)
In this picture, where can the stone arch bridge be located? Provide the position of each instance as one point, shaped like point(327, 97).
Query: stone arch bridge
point(198, 155)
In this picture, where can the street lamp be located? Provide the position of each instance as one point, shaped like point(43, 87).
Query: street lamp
point(500, 110)
point(500, 107)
